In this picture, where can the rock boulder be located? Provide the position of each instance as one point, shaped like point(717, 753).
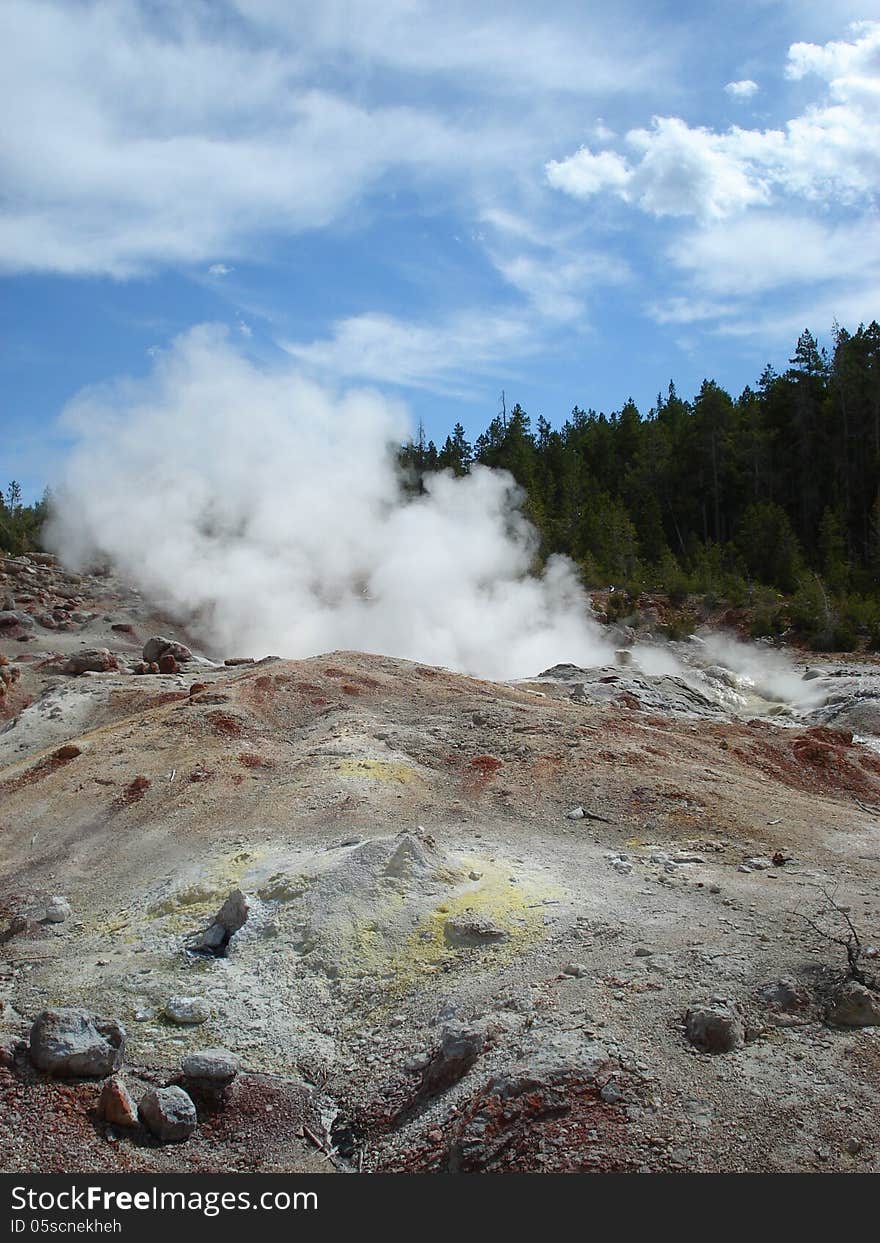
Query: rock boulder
point(72, 1042)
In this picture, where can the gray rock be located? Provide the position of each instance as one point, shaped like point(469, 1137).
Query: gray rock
point(552, 1056)
point(716, 1025)
point(576, 813)
point(58, 909)
point(860, 714)
point(211, 1066)
point(187, 1011)
point(159, 646)
point(411, 857)
point(11, 1048)
point(233, 913)
point(16, 617)
point(785, 996)
point(459, 1049)
point(854, 1005)
point(168, 1113)
point(576, 969)
point(230, 919)
point(73, 1042)
point(758, 864)
point(467, 931)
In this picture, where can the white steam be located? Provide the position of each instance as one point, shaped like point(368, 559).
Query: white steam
point(771, 675)
point(264, 510)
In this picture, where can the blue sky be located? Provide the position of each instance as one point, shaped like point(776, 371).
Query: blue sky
point(573, 202)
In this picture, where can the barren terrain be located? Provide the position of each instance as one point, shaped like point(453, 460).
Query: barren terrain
point(445, 965)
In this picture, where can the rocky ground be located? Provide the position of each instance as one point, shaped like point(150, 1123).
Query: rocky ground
point(479, 927)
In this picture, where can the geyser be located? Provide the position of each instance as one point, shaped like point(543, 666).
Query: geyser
point(265, 511)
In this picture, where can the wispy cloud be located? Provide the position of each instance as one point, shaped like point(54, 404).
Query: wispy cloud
point(429, 354)
point(138, 136)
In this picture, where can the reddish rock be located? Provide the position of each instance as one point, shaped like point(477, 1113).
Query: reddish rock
point(92, 660)
point(115, 1105)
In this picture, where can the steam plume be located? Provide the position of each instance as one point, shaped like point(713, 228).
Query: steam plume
point(264, 510)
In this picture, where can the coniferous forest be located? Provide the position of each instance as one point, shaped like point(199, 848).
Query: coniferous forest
point(768, 500)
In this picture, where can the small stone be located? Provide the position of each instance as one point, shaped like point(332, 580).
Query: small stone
point(785, 996)
point(459, 1049)
point(187, 1011)
point(611, 1093)
point(468, 931)
point(92, 660)
point(230, 919)
point(576, 969)
point(758, 864)
point(641, 952)
point(58, 909)
point(158, 646)
point(168, 1113)
point(854, 1005)
point(576, 813)
point(716, 1025)
point(214, 1066)
point(11, 1048)
point(115, 1104)
point(69, 751)
point(853, 1146)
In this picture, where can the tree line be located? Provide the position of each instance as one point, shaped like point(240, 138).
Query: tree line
point(20, 524)
point(770, 499)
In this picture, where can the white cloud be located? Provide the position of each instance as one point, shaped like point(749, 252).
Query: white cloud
point(586, 173)
point(768, 251)
point(744, 89)
point(219, 269)
point(384, 349)
point(769, 275)
point(686, 171)
point(499, 43)
point(829, 153)
point(138, 135)
point(559, 282)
